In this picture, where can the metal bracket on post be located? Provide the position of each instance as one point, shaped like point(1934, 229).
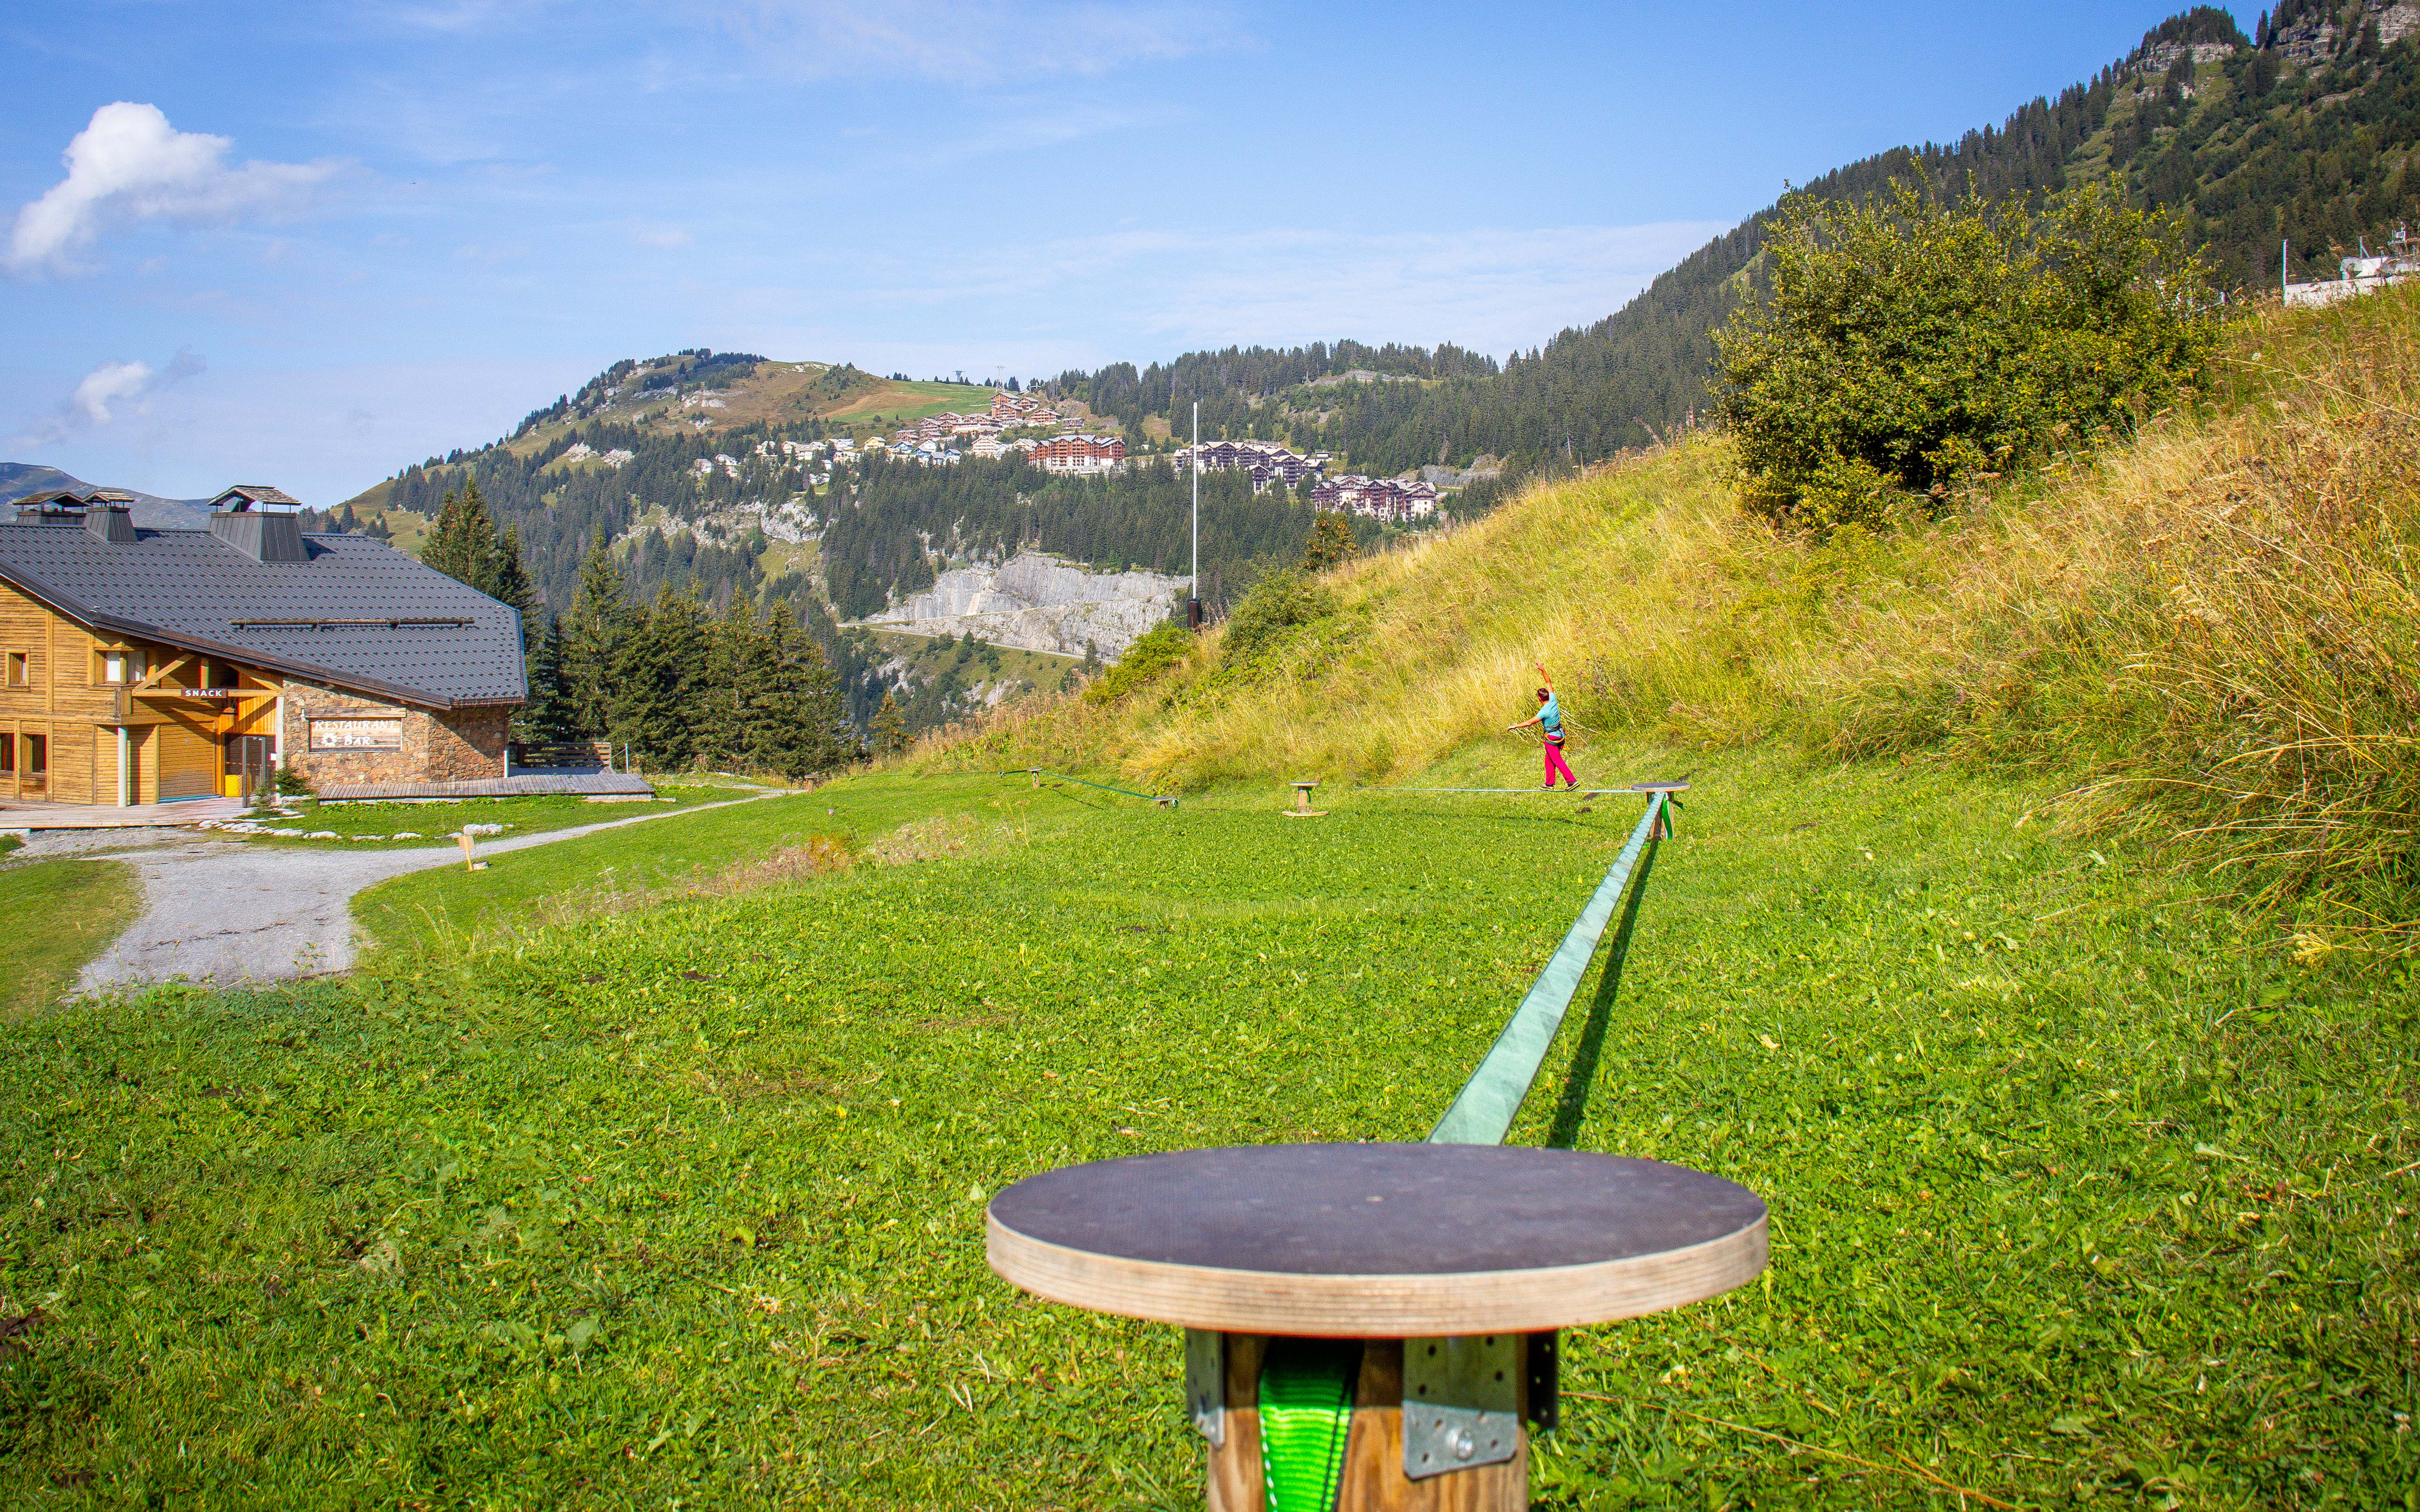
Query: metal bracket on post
point(1205, 1383)
point(1461, 1400)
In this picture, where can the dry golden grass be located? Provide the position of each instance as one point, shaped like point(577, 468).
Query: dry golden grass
point(2208, 633)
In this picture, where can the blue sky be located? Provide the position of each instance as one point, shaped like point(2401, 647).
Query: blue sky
point(305, 245)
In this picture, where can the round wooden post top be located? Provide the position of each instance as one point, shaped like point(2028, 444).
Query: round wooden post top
point(1376, 1240)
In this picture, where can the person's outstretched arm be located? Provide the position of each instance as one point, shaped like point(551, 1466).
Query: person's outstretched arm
point(1544, 676)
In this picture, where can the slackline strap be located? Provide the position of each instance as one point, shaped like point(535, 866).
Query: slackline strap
point(1064, 777)
point(1306, 1414)
point(1482, 1111)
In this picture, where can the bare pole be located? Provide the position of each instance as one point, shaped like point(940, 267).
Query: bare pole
point(1193, 609)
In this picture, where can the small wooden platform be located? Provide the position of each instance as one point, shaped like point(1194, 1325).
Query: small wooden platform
point(1376, 1240)
point(1447, 1267)
point(1302, 809)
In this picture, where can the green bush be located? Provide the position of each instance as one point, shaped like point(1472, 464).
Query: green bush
point(1277, 603)
point(1908, 344)
point(1163, 647)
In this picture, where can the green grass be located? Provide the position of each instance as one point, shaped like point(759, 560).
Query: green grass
point(927, 653)
point(2072, 1197)
point(617, 869)
point(60, 914)
point(374, 826)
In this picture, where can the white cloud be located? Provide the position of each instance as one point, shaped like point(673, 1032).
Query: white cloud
point(971, 42)
point(652, 234)
point(109, 390)
point(129, 164)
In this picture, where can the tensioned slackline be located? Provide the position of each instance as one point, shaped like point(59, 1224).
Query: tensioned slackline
point(1482, 1111)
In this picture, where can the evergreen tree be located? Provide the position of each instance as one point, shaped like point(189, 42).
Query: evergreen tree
point(462, 543)
point(601, 619)
point(730, 652)
point(795, 723)
point(1331, 541)
point(890, 729)
point(511, 582)
point(547, 717)
point(652, 678)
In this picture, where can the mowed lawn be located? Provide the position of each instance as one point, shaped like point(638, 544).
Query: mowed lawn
point(2079, 1192)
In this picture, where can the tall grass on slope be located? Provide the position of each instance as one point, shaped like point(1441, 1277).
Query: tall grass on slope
point(2216, 631)
point(2208, 634)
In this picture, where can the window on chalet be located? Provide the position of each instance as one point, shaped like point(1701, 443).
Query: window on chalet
point(8, 753)
point(37, 754)
point(20, 671)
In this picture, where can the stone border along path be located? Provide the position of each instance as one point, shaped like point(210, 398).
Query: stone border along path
point(232, 913)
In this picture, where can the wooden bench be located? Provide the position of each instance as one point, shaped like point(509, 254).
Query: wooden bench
point(1448, 1268)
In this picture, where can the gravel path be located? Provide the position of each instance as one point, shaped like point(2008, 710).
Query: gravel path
point(232, 912)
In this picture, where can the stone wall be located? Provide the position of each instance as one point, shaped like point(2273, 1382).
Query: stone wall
point(430, 744)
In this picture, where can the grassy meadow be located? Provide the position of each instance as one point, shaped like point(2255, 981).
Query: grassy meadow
point(377, 826)
point(680, 1203)
point(61, 914)
point(2036, 941)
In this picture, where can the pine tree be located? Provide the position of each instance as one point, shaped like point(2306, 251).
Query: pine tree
point(547, 717)
point(462, 543)
point(795, 725)
point(1331, 541)
point(727, 663)
point(602, 617)
point(651, 679)
point(890, 728)
point(510, 583)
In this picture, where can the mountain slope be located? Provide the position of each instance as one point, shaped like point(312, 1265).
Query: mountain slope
point(17, 479)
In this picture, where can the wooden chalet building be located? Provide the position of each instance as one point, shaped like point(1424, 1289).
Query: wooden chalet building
point(141, 666)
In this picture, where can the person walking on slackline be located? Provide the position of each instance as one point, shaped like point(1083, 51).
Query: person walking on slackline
point(1549, 721)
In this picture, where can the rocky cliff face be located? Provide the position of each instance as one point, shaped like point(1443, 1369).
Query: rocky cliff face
point(1035, 602)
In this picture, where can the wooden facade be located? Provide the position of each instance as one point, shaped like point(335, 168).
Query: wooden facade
point(91, 717)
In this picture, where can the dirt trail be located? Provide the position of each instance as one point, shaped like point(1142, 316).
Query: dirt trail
point(235, 912)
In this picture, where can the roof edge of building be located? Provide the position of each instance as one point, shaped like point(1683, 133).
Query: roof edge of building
point(75, 608)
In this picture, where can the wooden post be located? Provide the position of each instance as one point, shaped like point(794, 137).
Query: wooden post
point(1400, 1248)
point(467, 841)
point(1302, 809)
point(1374, 1479)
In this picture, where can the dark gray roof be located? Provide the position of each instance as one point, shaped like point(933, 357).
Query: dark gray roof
point(194, 591)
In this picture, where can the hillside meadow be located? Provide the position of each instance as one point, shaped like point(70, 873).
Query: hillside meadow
point(678, 1198)
point(2206, 635)
point(2032, 941)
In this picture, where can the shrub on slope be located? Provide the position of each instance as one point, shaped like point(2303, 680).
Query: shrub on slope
point(1910, 345)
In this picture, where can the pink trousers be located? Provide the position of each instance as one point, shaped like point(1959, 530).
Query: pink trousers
point(1555, 762)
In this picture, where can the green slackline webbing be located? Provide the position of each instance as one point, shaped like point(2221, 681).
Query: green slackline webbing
point(1306, 1414)
point(1583, 793)
point(1036, 771)
point(1482, 1111)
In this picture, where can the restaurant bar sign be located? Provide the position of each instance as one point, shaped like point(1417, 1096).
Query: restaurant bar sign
point(357, 733)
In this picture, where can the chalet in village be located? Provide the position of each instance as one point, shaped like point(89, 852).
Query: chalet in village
point(145, 666)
